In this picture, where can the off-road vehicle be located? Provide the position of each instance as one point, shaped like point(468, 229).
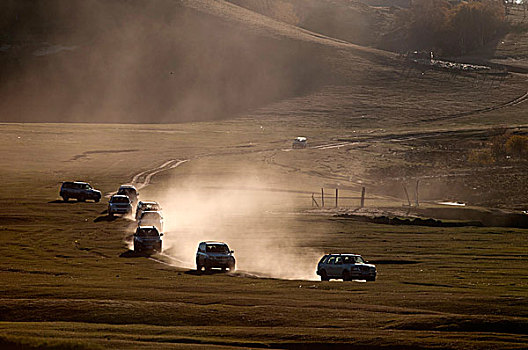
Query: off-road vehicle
point(119, 204)
point(79, 190)
point(146, 206)
point(299, 142)
point(347, 267)
point(214, 255)
point(151, 218)
point(130, 191)
point(147, 239)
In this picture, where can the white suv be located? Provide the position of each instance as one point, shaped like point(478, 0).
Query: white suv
point(119, 204)
point(347, 267)
point(146, 206)
point(151, 218)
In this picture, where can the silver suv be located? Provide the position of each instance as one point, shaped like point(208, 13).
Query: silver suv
point(79, 190)
point(119, 204)
point(147, 238)
point(347, 267)
point(130, 191)
point(214, 255)
point(151, 218)
point(146, 206)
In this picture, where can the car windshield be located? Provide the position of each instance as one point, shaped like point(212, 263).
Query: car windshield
point(148, 233)
point(120, 200)
point(217, 248)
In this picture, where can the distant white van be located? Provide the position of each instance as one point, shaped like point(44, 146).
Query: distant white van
point(299, 142)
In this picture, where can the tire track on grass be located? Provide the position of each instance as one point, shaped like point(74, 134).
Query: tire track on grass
point(148, 174)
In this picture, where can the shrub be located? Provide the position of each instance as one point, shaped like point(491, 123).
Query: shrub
point(517, 146)
point(481, 157)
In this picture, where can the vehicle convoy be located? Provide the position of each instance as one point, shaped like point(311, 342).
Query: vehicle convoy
point(347, 267)
point(146, 206)
point(299, 142)
point(130, 191)
point(79, 190)
point(119, 204)
point(147, 239)
point(214, 255)
point(151, 218)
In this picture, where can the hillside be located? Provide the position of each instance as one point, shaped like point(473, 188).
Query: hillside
point(168, 61)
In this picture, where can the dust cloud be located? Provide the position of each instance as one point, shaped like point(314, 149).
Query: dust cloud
point(142, 62)
point(260, 226)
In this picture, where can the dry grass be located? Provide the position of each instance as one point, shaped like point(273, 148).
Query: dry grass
point(64, 280)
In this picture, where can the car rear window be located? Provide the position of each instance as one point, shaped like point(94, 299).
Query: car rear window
point(150, 215)
point(120, 200)
point(148, 233)
point(217, 248)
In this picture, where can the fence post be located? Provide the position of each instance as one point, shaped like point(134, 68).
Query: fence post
point(417, 183)
point(322, 197)
point(362, 197)
point(337, 195)
point(314, 201)
point(407, 194)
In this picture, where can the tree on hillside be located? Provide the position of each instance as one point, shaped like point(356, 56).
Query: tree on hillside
point(473, 24)
point(439, 25)
point(428, 22)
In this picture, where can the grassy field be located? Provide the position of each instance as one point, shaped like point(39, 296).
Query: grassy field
point(69, 281)
point(68, 277)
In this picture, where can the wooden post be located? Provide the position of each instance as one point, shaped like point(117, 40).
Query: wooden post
point(407, 195)
point(362, 197)
point(322, 197)
point(314, 201)
point(337, 195)
point(416, 192)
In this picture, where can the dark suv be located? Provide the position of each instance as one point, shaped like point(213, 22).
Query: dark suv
point(79, 190)
point(147, 238)
point(214, 254)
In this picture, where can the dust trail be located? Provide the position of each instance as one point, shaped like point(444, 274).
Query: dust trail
point(268, 240)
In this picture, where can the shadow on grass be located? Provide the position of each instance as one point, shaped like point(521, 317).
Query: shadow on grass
point(132, 254)
point(107, 218)
point(393, 262)
point(209, 272)
point(61, 201)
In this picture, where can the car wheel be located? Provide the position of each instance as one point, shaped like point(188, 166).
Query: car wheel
point(324, 276)
point(81, 199)
point(232, 268)
point(371, 279)
point(346, 276)
point(96, 200)
point(65, 198)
